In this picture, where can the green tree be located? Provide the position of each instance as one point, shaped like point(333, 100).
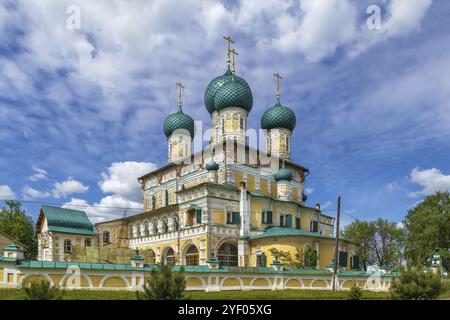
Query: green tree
point(378, 242)
point(427, 227)
point(164, 284)
point(361, 233)
point(296, 262)
point(355, 293)
point(15, 222)
point(41, 290)
point(310, 257)
point(417, 285)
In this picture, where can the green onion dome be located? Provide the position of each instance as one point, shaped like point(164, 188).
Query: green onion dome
point(212, 166)
point(283, 174)
point(178, 120)
point(219, 94)
point(278, 116)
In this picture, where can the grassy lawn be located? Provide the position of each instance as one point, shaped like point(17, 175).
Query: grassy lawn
point(14, 294)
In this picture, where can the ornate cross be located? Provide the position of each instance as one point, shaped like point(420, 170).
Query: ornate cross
point(229, 41)
point(234, 52)
point(278, 76)
point(180, 92)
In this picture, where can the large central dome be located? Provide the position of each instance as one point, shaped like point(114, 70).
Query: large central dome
point(228, 90)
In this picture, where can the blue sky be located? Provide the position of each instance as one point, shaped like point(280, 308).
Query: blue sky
point(81, 107)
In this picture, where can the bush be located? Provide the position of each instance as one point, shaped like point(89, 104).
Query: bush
point(355, 293)
point(417, 285)
point(43, 291)
point(164, 285)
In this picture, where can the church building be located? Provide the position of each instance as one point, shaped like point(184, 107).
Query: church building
point(229, 202)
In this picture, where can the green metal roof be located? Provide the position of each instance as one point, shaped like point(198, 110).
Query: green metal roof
point(6, 259)
point(219, 94)
point(278, 116)
point(194, 269)
point(234, 94)
point(283, 174)
point(178, 120)
point(284, 231)
point(13, 247)
point(67, 220)
point(212, 166)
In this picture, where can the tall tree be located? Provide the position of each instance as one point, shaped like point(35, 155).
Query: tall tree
point(15, 222)
point(378, 242)
point(427, 227)
point(361, 233)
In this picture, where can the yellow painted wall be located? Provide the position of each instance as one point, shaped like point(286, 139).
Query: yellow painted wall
point(238, 178)
point(218, 216)
point(114, 282)
point(250, 183)
point(231, 282)
point(295, 194)
point(263, 186)
point(274, 189)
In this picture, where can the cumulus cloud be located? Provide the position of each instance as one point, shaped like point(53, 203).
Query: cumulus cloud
point(431, 181)
point(309, 190)
point(109, 207)
point(30, 193)
point(325, 25)
point(6, 192)
point(39, 174)
point(121, 179)
point(68, 187)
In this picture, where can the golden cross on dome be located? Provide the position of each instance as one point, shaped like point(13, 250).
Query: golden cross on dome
point(180, 93)
point(229, 41)
point(278, 76)
point(233, 68)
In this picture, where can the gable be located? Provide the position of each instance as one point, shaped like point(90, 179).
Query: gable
point(64, 220)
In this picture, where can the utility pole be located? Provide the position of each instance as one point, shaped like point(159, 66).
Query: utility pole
point(336, 251)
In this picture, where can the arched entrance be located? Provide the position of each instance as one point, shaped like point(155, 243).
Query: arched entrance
point(192, 256)
point(228, 255)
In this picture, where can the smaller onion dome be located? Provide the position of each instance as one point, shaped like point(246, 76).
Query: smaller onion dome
point(178, 120)
point(278, 116)
point(283, 174)
point(212, 166)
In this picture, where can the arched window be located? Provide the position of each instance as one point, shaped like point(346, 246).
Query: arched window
point(106, 237)
point(165, 226)
point(228, 255)
point(130, 232)
point(87, 242)
point(67, 246)
point(149, 256)
point(170, 257)
point(176, 225)
point(155, 227)
point(146, 229)
point(192, 256)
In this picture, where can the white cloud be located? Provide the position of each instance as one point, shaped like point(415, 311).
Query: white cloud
point(325, 26)
point(326, 205)
point(30, 193)
point(68, 187)
point(392, 186)
point(405, 16)
point(6, 192)
point(309, 190)
point(39, 174)
point(109, 207)
point(121, 179)
point(431, 181)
